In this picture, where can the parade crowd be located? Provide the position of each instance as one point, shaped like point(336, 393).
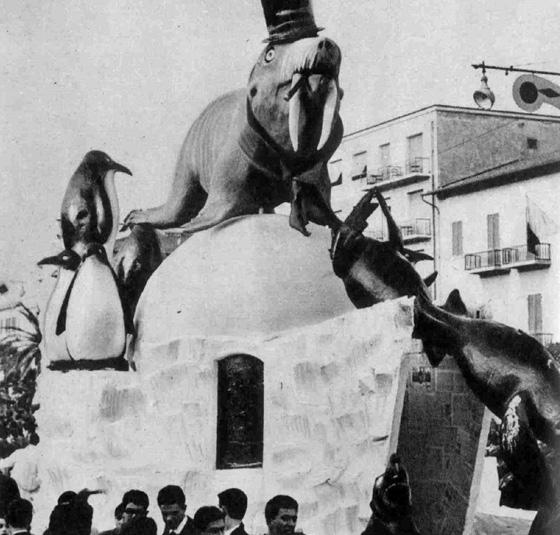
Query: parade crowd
point(72, 515)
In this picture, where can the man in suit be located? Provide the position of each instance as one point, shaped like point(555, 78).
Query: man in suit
point(281, 513)
point(19, 516)
point(172, 504)
point(136, 503)
point(233, 502)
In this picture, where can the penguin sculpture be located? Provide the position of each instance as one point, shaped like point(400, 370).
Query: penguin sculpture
point(135, 258)
point(92, 314)
point(68, 262)
point(90, 208)
point(90, 319)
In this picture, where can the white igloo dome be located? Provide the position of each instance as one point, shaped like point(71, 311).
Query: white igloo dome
point(249, 275)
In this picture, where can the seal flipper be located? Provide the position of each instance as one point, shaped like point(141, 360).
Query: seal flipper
point(416, 256)
point(357, 219)
point(395, 235)
point(437, 337)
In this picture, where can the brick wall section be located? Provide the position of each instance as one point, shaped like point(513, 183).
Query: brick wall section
point(439, 433)
point(469, 144)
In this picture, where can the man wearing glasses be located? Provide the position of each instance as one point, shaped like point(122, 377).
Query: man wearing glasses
point(135, 503)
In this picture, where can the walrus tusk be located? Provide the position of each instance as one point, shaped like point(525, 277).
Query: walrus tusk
point(297, 81)
point(329, 110)
point(294, 110)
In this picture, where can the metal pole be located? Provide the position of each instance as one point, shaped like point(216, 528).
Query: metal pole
point(511, 68)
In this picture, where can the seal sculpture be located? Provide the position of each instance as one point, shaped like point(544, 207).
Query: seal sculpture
point(373, 270)
point(135, 258)
point(254, 149)
point(513, 375)
point(391, 502)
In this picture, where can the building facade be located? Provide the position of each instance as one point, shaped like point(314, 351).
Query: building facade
point(476, 190)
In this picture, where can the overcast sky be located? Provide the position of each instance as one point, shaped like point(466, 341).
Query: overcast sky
point(129, 76)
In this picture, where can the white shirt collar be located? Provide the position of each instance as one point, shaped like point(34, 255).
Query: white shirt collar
point(180, 527)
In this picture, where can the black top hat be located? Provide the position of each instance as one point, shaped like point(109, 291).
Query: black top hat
point(289, 20)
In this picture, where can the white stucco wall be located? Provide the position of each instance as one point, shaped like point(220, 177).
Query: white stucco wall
point(333, 396)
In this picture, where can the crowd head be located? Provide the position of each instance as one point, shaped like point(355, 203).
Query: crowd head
point(209, 520)
point(172, 504)
point(281, 515)
point(72, 514)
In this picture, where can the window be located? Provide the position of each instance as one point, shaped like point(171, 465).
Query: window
point(359, 165)
point(415, 152)
point(385, 154)
point(493, 227)
point(532, 143)
point(534, 309)
point(240, 412)
point(457, 238)
point(335, 172)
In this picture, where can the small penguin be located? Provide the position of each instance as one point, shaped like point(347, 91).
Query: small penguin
point(92, 315)
point(135, 258)
point(68, 262)
point(90, 208)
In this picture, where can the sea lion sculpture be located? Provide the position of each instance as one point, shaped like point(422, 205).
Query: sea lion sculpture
point(391, 502)
point(518, 380)
point(373, 270)
point(254, 149)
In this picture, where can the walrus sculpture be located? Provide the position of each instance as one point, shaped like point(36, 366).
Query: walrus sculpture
point(518, 380)
point(256, 148)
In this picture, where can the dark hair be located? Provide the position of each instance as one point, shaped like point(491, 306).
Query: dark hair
point(9, 491)
point(67, 496)
point(119, 510)
point(281, 501)
point(20, 513)
point(137, 497)
point(205, 515)
point(140, 525)
point(71, 518)
point(235, 501)
point(171, 494)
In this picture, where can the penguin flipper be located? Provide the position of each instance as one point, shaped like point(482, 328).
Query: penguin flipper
point(61, 321)
point(127, 312)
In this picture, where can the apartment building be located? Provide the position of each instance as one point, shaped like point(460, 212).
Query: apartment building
point(475, 189)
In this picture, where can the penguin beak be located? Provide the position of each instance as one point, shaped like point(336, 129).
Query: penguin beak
point(49, 260)
point(118, 167)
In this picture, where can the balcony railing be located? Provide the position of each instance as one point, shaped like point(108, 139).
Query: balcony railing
point(416, 230)
point(500, 260)
point(416, 166)
point(520, 254)
point(545, 339)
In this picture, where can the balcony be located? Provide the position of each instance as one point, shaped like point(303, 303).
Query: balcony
point(389, 176)
point(519, 257)
point(545, 339)
point(416, 230)
point(500, 261)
